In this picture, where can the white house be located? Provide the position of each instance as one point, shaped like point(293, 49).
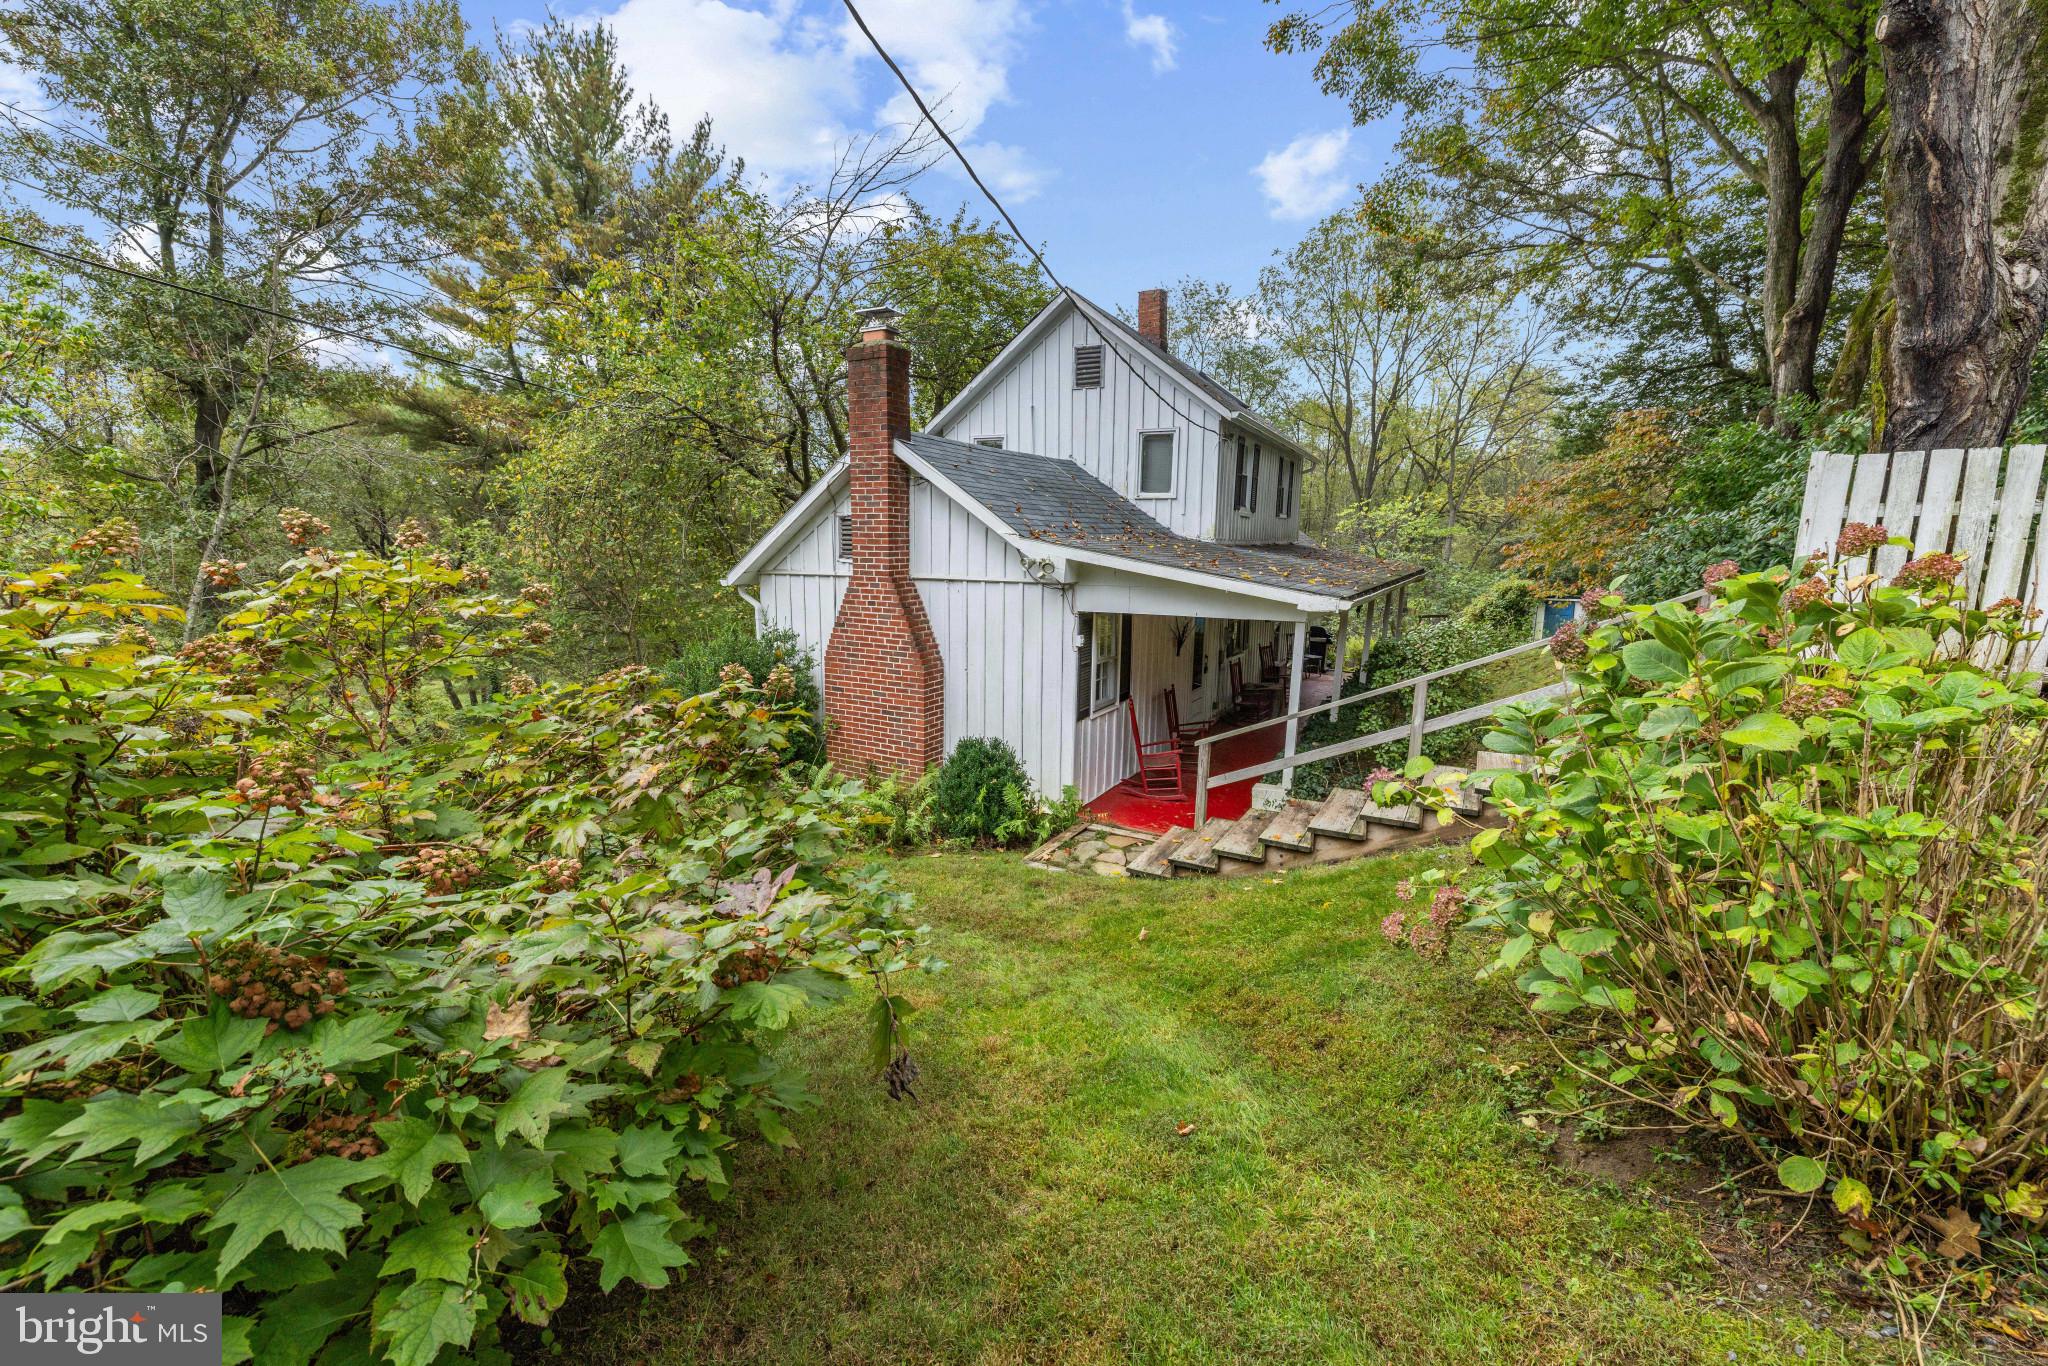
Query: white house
point(1091, 519)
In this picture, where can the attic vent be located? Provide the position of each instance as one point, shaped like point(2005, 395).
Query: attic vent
point(845, 547)
point(1088, 367)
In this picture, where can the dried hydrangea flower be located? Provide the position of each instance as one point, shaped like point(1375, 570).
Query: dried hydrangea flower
point(1717, 571)
point(1567, 646)
point(1929, 570)
point(1859, 538)
point(1393, 928)
point(1807, 594)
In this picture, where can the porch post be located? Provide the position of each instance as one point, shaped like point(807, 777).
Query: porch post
point(1299, 651)
point(1371, 615)
point(1343, 644)
point(1401, 610)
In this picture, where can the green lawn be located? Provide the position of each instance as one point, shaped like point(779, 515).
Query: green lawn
point(1352, 1190)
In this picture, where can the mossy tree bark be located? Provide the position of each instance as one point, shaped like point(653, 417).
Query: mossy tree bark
point(1966, 215)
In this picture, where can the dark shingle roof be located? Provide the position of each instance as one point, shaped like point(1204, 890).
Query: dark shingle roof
point(1061, 504)
point(1203, 381)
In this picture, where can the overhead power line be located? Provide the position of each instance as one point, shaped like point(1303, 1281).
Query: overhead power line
point(334, 329)
point(1015, 231)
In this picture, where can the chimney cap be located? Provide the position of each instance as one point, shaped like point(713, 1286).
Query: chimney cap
point(878, 318)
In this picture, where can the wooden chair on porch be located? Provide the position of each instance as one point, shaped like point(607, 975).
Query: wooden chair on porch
point(1159, 768)
point(1269, 671)
point(1250, 699)
point(1184, 733)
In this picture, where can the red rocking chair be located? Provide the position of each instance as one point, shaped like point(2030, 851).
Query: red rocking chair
point(1158, 760)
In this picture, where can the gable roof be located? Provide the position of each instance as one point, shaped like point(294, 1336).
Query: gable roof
point(789, 524)
point(1131, 345)
point(1059, 505)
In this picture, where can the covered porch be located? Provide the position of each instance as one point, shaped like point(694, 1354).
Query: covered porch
point(1163, 664)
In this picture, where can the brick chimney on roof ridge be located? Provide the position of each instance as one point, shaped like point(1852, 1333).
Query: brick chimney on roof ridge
point(1152, 316)
point(884, 680)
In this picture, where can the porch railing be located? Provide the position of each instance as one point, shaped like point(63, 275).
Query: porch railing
point(1419, 723)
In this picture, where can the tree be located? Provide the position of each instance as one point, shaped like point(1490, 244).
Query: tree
point(1966, 216)
point(251, 150)
point(1594, 135)
point(964, 290)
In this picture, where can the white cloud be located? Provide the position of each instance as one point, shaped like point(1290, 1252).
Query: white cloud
point(1154, 31)
point(1306, 178)
point(786, 82)
point(779, 90)
point(1012, 172)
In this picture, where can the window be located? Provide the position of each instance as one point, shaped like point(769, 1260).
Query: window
point(845, 539)
point(1283, 489)
point(1252, 503)
point(1237, 637)
point(1088, 367)
point(1155, 465)
point(1201, 665)
point(1242, 501)
point(994, 443)
point(1107, 653)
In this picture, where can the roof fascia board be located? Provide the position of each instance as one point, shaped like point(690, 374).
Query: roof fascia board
point(1026, 337)
point(786, 526)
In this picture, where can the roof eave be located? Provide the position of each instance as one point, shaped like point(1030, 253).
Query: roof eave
point(777, 536)
point(984, 377)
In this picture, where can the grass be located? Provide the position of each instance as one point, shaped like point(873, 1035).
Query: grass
point(1352, 1189)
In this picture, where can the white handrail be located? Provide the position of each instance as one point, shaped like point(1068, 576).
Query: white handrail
point(1417, 726)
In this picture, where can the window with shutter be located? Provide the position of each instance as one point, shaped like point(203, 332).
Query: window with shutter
point(1107, 635)
point(1084, 665)
point(1088, 367)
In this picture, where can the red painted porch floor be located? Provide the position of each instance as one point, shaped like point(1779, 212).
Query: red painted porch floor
point(1133, 809)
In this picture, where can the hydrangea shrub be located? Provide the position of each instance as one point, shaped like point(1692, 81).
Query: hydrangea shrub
point(387, 1020)
point(1781, 853)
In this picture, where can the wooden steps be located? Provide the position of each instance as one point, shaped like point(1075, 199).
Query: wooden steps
point(1197, 850)
point(1289, 827)
point(1152, 861)
point(1347, 824)
point(1242, 840)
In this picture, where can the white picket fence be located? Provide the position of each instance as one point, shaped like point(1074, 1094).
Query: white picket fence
point(1982, 505)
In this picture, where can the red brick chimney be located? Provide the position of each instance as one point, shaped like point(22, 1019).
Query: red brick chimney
point(1152, 316)
point(884, 682)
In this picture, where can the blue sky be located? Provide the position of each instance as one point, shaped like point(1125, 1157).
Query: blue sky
point(1138, 140)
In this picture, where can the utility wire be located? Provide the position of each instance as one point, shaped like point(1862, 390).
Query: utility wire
point(336, 329)
point(1015, 231)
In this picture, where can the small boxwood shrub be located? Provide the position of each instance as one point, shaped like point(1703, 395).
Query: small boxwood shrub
point(984, 795)
point(1783, 856)
point(388, 1023)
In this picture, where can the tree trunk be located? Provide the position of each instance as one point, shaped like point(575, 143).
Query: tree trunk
point(1803, 233)
point(211, 413)
point(1966, 215)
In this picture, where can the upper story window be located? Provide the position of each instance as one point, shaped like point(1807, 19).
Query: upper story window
point(1243, 494)
point(844, 547)
point(994, 443)
point(1155, 465)
point(1088, 367)
point(1283, 489)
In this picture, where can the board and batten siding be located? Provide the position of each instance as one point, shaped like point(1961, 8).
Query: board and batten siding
point(1265, 526)
point(800, 589)
point(1034, 407)
point(1006, 639)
